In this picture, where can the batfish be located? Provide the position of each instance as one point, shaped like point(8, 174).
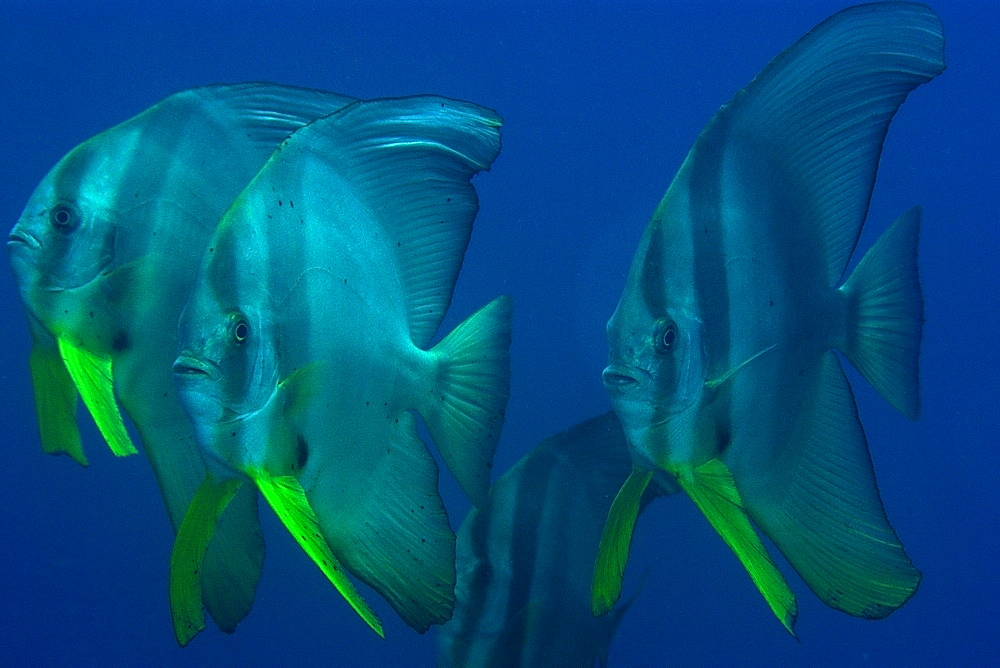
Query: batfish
point(305, 352)
point(526, 558)
point(104, 256)
point(722, 365)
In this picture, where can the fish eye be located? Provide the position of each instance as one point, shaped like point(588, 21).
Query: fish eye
point(666, 337)
point(64, 218)
point(241, 330)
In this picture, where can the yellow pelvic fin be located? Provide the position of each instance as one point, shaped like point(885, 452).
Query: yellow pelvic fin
point(713, 490)
point(286, 496)
point(55, 404)
point(92, 376)
point(612, 553)
point(188, 555)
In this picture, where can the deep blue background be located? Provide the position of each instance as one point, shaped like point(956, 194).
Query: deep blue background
point(600, 106)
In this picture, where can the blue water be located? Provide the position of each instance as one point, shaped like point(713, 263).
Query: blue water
point(600, 107)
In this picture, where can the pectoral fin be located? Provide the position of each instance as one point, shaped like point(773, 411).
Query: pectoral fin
point(55, 404)
point(188, 555)
point(285, 495)
point(92, 376)
point(612, 553)
point(712, 489)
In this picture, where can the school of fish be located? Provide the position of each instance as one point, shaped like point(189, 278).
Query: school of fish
point(253, 275)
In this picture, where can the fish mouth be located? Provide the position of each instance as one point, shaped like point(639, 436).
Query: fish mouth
point(20, 237)
point(191, 369)
point(620, 379)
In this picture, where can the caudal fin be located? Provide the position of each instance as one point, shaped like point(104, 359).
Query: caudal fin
point(465, 408)
point(887, 314)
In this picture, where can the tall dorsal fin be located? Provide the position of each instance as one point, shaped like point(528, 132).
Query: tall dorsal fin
point(265, 112)
point(410, 160)
point(819, 112)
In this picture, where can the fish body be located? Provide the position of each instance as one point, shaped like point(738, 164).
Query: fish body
point(105, 254)
point(721, 363)
point(526, 558)
point(305, 347)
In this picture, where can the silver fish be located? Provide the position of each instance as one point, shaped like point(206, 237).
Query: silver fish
point(305, 351)
point(526, 558)
point(105, 254)
point(721, 362)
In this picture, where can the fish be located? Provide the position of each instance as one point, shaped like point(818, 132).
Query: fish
point(305, 352)
point(525, 560)
point(104, 256)
point(722, 363)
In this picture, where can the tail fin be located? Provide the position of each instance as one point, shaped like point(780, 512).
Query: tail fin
point(465, 409)
point(887, 315)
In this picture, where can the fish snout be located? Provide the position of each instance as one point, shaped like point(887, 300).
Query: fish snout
point(187, 369)
point(620, 379)
point(20, 237)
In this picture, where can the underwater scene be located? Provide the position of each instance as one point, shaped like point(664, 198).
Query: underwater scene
point(500, 333)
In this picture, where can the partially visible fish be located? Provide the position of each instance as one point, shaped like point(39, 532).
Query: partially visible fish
point(526, 558)
point(722, 367)
point(305, 352)
point(105, 254)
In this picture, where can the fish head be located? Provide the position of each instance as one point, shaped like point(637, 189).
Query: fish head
point(227, 371)
point(64, 242)
point(655, 373)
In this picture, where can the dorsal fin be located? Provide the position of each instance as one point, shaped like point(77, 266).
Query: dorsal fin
point(265, 112)
point(411, 160)
point(821, 109)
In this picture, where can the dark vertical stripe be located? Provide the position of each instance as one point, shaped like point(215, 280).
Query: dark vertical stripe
point(529, 505)
point(472, 609)
point(711, 276)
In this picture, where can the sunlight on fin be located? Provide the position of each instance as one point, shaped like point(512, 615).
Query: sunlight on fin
point(612, 554)
point(712, 489)
point(188, 555)
point(92, 376)
point(285, 495)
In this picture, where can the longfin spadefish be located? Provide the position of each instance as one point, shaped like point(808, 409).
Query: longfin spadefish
point(55, 404)
point(712, 489)
point(465, 411)
point(188, 555)
point(288, 500)
point(887, 314)
point(92, 376)
point(612, 553)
